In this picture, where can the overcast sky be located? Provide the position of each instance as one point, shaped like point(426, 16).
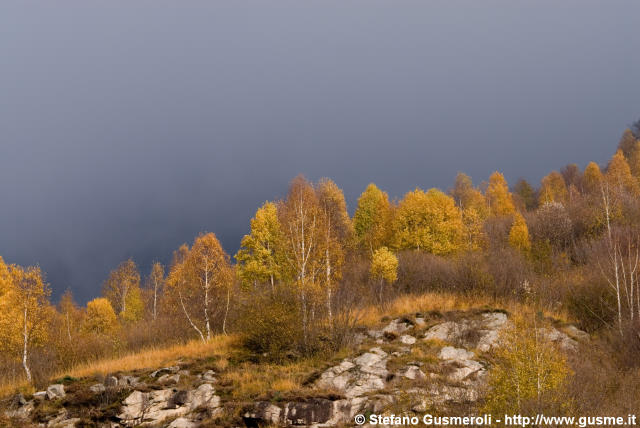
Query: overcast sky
point(128, 127)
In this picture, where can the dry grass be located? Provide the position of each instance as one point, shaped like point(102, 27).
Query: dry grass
point(146, 359)
point(250, 381)
point(411, 304)
point(253, 380)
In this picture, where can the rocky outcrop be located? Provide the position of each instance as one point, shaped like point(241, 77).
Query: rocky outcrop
point(480, 333)
point(151, 408)
point(409, 362)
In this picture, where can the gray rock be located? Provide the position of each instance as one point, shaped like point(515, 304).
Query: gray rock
point(97, 388)
point(20, 408)
point(55, 392)
point(559, 338)
point(111, 381)
point(182, 423)
point(209, 376)
point(172, 369)
point(358, 376)
point(397, 326)
point(451, 353)
point(67, 423)
point(204, 396)
point(40, 395)
point(167, 379)
point(411, 372)
point(263, 412)
point(128, 381)
point(482, 333)
point(407, 339)
point(577, 334)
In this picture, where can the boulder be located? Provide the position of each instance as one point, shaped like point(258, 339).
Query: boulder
point(407, 339)
point(358, 376)
point(209, 376)
point(263, 412)
point(40, 395)
point(128, 381)
point(172, 369)
point(559, 338)
point(397, 327)
point(111, 381)
point(411, 372)
point(97, 388)
point(451, 353)
point(182, 423)
point(168, 379)
point(204, 396)
point(55, 391)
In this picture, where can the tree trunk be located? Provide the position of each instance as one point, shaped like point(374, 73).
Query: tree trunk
point(226, 312)
point(189, 319)
point(25, 341)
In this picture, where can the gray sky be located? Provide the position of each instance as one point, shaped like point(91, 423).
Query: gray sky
point(128, 127)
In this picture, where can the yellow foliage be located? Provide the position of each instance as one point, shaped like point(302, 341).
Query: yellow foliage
point(528, 371)
point(634, 160)
point(519, 234)
point(619, 174)
point(498, 195)
point(121, 282)
point(592, 177)
point(261, 258)
point(372, 219)
point(101, 318)
point(553, 189)
point(384, 265)
point(428, 221)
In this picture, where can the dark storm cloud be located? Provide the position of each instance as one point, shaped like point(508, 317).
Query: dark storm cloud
point(128, 127)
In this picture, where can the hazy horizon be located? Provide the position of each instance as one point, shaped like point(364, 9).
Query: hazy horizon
point(129, 128)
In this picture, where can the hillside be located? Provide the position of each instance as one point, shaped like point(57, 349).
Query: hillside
point(426, 361)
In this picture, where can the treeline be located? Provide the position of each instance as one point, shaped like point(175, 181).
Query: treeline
point(572, 243)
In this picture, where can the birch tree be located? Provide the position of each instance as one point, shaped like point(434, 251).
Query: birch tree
point(372, 219)
point(261, 258)
point(26, 309)
point(337, 231)
point(203, 274)
point(301, 217)
point(155, 284)
point(122, 289)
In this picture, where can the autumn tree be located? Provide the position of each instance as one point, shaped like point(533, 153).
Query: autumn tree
point(384, 270)
point(122, 289)
point(519, 234)
point(593, 178)
point(302, 222)
point(204, 272)
point(498, 195)
point(101, 318)
point(619, 177)
point(261, 258)
point(372, 219)
point(528, 373)
point(428, 221)
point(526, 193)
point(634, 160)
point(627, 141)
point(553, 189)
point(71, 314)
point(572, 176)
point(474, 209)
point(23, 322)
point(337, 231)
point(155, 285)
